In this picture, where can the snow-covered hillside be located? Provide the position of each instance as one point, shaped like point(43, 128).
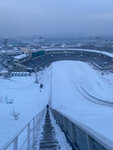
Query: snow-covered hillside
point(67, 78)
point(28, 101)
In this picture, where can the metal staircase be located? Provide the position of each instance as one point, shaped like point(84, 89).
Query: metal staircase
point(48, 140)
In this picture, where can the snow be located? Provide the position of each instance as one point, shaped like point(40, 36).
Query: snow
point(67, 79)
point(88, 50)
point(10, 52)
point(67, 76)
point(95, 84)
point(21, 56)
point(4, 71)
point(28, 101)
point(60, 137)
point(62, 141)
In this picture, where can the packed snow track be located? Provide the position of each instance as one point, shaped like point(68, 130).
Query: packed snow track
point(67, 76)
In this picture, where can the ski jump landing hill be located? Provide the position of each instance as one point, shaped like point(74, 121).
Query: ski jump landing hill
point(99, 59)
point(81, 137)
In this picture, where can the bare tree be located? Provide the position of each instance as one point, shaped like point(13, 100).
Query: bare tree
point(15, 114)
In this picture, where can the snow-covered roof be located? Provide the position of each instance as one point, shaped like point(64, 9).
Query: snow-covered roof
point(4, 71)
point(21, 56)
point(89, 50)
point(10, 51)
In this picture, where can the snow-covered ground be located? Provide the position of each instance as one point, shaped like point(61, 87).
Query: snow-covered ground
point(67, 79)
point(95, 83)
point(67, 76)
point(28, 101)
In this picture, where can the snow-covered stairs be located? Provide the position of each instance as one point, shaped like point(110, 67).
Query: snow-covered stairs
point(50, 136)
point(48, 140)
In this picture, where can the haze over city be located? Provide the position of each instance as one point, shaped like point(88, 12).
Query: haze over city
point(24, 17)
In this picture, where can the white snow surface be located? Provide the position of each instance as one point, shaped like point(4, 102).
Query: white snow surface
point(67, 76)
point(60, 137)
point(21, 56)
point(28, 101)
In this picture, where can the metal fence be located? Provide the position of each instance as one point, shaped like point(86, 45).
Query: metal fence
point(25, 138)
point(81, 136)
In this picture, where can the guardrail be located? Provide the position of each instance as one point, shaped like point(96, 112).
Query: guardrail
point(81, 136)
point(25, 138)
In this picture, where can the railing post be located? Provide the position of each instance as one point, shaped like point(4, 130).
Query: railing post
point(28, 137)
point(34, 131)
point(70, 131)
point(64, 124)
point(89, 143)
point(15, 144)
point(36, 123)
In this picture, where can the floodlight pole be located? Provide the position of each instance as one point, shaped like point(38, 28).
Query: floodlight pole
point(51, 88)
point(36, 78)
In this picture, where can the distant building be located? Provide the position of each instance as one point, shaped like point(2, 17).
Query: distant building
point(5, 41)
point(21, 58)
point(25, 50)
point(4, 73)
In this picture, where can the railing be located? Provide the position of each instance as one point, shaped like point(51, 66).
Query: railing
point(25, 138)
point(81, 136)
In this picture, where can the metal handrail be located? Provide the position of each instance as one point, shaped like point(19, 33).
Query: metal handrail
point(36, 121)
point(81, 135)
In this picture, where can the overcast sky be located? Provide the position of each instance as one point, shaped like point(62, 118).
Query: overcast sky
point(21, 17)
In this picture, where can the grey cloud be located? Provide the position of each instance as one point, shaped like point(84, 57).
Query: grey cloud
point(44, 16)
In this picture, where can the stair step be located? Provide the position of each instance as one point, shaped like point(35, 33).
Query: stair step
point(46, 133)
point(49, 147)
point(48, 141)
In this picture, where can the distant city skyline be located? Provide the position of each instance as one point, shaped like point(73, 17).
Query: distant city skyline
point(28, 17)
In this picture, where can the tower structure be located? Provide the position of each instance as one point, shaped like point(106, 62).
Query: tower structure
point(5, 45)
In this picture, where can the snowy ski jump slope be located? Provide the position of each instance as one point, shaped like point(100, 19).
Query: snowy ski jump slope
point(67, 76)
